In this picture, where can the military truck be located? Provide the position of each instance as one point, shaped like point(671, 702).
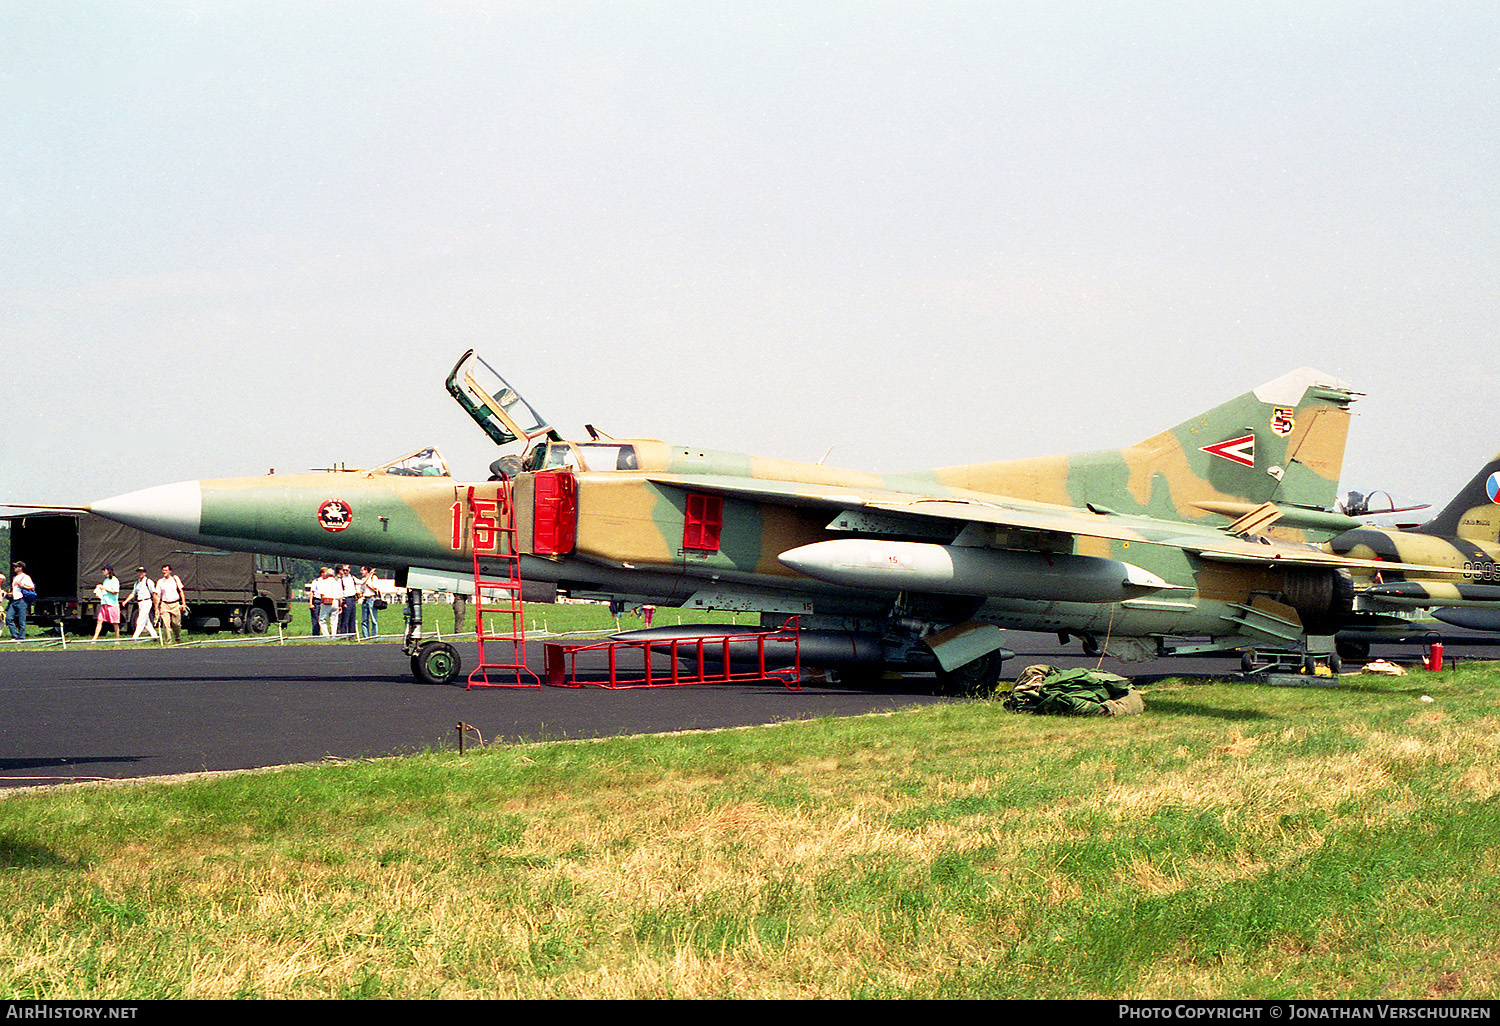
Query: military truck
point(65, 552)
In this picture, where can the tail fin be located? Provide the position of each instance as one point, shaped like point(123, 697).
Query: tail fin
point(1283, 441)
point(1474, 513)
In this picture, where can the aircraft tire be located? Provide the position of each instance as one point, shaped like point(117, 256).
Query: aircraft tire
point(1353, 649)
point(976, 678)
point(436, 662)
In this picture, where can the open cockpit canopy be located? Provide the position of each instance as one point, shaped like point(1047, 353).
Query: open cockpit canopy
point(497, 408)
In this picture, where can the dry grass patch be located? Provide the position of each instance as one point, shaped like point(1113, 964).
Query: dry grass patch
point(952, 851)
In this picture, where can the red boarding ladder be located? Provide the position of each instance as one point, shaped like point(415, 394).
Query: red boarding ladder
point(492, 538)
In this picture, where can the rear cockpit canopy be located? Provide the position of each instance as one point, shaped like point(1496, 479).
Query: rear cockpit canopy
point(426, 462)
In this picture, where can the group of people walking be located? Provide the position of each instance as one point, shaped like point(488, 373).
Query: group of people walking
point(163, 601)
point(336, 598)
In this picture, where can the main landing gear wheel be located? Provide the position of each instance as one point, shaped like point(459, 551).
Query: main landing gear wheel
point(436, 662)
point(976, 678)
point(1353, 649)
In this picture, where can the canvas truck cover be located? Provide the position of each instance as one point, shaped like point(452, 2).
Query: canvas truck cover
point(209, 575)
point(66, 553)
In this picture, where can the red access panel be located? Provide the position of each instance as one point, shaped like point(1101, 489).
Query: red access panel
point(703, 522)
point(554, 513)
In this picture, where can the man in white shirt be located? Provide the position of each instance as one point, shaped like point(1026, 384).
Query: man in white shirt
point(143, 595)
point(327, 591)
point(369, 592)
point(171, 600)
point(22, 591)
point(348, 600)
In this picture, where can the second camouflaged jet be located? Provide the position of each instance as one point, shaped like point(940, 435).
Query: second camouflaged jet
point(1191, 540)
point(1465, 537)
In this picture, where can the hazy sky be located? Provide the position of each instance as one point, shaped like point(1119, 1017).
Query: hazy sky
point(248, 235)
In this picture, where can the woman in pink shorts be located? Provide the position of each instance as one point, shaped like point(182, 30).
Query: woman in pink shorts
point(109, 603)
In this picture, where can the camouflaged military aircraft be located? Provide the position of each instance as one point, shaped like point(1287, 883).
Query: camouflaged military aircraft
point(1464, 536)
point(1195, 539)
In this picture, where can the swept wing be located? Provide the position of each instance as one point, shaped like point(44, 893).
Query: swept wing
point(1038, 520)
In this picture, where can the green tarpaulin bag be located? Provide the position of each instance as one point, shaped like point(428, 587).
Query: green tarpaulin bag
point(1082, 692)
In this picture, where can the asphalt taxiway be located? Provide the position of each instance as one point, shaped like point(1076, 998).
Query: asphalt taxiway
point(98, 711)
point(105, 712)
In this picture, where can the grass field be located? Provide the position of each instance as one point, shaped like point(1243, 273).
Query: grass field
point(1236, 841)
point(541, 619)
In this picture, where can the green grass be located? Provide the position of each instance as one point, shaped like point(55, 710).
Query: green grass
point(1236, 841)
point(541, 618)
point(563, 618)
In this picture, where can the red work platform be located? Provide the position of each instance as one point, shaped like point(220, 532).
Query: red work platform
point(700, 654)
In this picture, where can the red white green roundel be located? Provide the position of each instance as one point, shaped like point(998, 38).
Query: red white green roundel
point(335, 515)
point(1239, 450)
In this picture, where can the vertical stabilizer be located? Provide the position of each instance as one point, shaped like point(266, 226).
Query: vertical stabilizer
point(1282, 442)
point(1474, 513)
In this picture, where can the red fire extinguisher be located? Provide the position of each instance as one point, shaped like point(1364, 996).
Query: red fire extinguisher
point(1434, 660)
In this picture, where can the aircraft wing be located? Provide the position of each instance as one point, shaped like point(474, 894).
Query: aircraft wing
point(1041, 518)
point(787, 492)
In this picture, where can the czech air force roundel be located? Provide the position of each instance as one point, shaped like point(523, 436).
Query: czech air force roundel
point(1236, 450)
point(335, 515)
point(1492, 486)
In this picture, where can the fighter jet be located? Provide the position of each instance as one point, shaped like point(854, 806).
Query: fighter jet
point(1195, 539)
point(1464, 536)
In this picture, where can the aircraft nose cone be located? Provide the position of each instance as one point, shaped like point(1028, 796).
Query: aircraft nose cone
point(174, 510)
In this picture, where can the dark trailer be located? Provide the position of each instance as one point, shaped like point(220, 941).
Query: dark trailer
point(65, 552)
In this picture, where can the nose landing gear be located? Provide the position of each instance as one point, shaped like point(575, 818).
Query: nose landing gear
point(432, 662)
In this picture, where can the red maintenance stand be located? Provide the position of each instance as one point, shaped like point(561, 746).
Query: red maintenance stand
point(500, 624)
point(696, 659)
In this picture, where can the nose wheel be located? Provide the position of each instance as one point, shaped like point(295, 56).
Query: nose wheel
point(435, 662)
point(432, 662)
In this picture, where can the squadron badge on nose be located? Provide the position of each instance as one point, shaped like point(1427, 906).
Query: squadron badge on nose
point(335, 515)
